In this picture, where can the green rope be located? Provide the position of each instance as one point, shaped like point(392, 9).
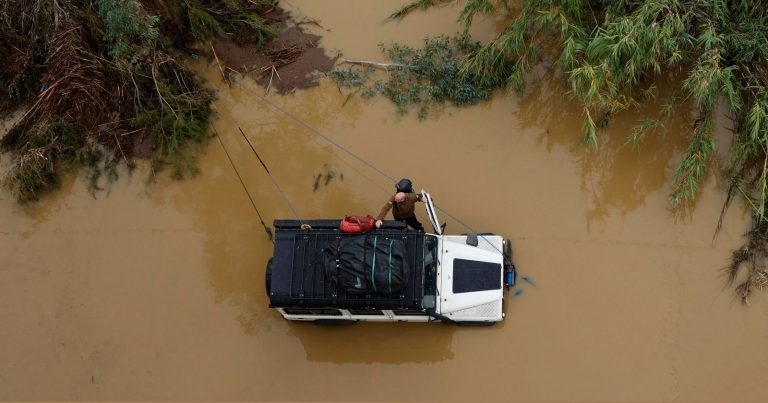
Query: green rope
point(373, 264)
point(391, 241)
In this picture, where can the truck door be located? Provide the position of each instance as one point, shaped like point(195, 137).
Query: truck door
point(431, 212)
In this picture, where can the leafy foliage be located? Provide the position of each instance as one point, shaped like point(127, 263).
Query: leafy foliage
point(206, 19)
point(202, 24)
point(102, 76)
point(125, 28)
point(22, 39)
point(416, 5)
point(424, 77)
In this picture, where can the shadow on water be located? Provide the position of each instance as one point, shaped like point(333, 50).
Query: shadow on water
point(376, 342)
point(49, 205)
point(387, 343)
point(617, 175)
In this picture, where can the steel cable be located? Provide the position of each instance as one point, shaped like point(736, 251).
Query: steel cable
point(341, 147)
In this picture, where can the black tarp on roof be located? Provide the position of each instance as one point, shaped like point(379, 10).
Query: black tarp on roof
point(299, 278)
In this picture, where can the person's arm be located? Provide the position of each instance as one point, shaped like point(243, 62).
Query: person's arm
point(384, 211)
point(413, 198)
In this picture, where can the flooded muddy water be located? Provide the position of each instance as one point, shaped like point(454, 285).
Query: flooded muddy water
point(156, 291)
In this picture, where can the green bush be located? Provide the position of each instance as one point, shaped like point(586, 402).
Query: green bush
point(130, 33)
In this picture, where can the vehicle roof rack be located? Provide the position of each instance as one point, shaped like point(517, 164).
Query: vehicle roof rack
point(298, 276)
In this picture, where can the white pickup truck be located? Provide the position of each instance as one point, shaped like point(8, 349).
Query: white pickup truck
point(391, 274)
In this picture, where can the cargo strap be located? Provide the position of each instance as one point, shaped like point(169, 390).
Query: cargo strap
point(373, 264)
point(391, 241)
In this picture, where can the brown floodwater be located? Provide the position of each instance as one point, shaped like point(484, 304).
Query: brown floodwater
point(155, 291)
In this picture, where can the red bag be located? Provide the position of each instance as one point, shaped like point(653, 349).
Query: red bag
point(357, 224)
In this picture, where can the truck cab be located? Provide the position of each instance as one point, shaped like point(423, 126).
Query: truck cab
point(451, 278)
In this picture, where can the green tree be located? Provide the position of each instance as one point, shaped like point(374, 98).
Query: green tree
point(104, 82)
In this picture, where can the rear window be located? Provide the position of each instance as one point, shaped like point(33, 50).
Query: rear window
point(471, 275)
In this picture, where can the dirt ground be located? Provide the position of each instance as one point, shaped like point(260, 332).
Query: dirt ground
point(288, 62)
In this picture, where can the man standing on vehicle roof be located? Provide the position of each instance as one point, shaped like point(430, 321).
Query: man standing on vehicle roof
point(403, 205)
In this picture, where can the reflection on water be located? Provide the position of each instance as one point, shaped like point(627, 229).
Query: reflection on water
point(617, 174)
point(370, 343)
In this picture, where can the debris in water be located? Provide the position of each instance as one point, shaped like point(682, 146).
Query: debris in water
point(329, 175)
point(324, 179)
point(517, 293)
point(528, 280)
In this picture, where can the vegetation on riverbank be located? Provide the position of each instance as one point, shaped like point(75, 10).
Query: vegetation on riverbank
point(423, 78)
point(611, 53)
point(101, 82)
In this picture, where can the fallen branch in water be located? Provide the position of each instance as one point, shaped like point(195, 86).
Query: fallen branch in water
point(285, 56)
point(385, 66)
point(160, 95)
point(310, 21)
point(281, 57)
point(274, 71)
point(223, 76)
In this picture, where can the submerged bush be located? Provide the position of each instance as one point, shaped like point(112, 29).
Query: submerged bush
point(102, 76)
point(425, 77)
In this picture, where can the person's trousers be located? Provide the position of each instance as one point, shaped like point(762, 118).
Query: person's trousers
point(413, 223)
